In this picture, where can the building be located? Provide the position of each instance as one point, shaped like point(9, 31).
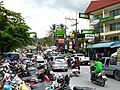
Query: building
point(105, 19)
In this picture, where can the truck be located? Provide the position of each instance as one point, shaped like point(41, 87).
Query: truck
point(111, 67)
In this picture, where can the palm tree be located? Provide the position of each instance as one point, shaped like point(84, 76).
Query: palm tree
point(52, 33)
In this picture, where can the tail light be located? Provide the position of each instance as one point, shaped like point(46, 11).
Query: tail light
point(52, 62)
point(80, 58)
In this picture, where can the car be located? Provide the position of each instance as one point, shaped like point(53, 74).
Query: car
point(59, 62)
point(12, 56)
point(40, 60)
point(111, 67)
point(83, 59)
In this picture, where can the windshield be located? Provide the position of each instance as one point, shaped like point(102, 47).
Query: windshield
point(60, 59)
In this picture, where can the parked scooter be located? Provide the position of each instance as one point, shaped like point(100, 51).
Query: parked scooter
point(99, 78)
point(63, 82)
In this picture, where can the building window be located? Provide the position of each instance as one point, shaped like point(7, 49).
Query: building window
point(99, 28)
point(115, 12)
point(115, 38)
point(99, 16)
point(115, 26)
point(118, 26)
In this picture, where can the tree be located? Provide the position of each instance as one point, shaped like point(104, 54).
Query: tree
point(47, 40)
point(52, 33)
point(14, 33)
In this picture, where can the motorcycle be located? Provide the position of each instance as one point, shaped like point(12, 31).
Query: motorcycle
point(99, 78)
point(63, 82)
point(75, 71)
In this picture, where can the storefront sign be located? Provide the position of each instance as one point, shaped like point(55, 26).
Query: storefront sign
point(84, 15)
point(60, 32)
point(106, 19)
point(89, 36)
point(85, 31)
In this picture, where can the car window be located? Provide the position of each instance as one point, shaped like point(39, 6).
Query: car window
point(103, 60)
point(60, 59)
point(113, 61)
point(107, 62)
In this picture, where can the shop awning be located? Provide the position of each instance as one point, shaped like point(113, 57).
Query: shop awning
point(105, 45)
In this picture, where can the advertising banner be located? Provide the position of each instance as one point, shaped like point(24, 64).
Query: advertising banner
point(60, 32)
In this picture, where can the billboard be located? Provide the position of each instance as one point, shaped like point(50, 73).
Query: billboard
point(84, 15)
point(86, 31)
point(60, 32)
point(61, 41)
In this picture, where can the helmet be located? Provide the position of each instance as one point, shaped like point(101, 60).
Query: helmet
point(39, 66)
point(60, 79)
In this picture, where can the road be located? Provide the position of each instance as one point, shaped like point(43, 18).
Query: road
point(84, 80)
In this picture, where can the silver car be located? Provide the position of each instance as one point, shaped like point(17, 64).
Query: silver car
point(59, 62)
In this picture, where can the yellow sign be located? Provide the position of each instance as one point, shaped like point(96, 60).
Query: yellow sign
point(61, 40)
point(70, 49)
point(71, 35)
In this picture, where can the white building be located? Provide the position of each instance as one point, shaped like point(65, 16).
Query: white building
point(105, 19)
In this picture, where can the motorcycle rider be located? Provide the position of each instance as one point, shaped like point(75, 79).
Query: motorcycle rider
point(69, 62)
point(96, 67)
point(76, 63)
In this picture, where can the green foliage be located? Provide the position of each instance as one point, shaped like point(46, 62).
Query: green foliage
point(47, 40)
point(13, 30)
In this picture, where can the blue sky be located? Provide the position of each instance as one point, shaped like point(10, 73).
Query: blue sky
point(40, 14)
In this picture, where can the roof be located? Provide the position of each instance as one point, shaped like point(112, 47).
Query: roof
point(99, 4)
point(108, 44)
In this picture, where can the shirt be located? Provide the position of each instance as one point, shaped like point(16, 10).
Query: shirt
point(98, 66)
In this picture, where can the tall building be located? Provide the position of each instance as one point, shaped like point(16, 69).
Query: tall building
point(105, 18)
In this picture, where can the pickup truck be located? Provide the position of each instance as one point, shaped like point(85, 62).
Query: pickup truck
point(83, 59)
point(111, 67)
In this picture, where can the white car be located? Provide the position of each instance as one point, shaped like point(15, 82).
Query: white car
point(59, 62)
point(40, 60)
point(83, 59)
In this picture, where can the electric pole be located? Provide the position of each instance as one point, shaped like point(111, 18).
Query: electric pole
point(74, 19)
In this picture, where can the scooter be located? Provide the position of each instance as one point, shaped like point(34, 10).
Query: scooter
point(63, 82)
point(75, 71)
point(99, 78)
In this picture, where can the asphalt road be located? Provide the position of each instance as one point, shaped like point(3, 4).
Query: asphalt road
point(84, 80)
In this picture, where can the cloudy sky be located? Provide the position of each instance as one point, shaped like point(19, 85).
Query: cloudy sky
point(40, 14)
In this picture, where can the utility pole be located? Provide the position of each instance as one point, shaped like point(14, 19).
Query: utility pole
point(75, 19)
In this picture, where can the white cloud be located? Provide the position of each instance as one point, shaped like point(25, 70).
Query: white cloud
point(40, 14)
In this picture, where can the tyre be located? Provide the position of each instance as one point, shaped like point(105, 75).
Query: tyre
point(102, 83)
point(1, 76)
point(117, 75)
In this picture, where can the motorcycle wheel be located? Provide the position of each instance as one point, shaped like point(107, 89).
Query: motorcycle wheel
point(1, 76)
point(102, 83)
